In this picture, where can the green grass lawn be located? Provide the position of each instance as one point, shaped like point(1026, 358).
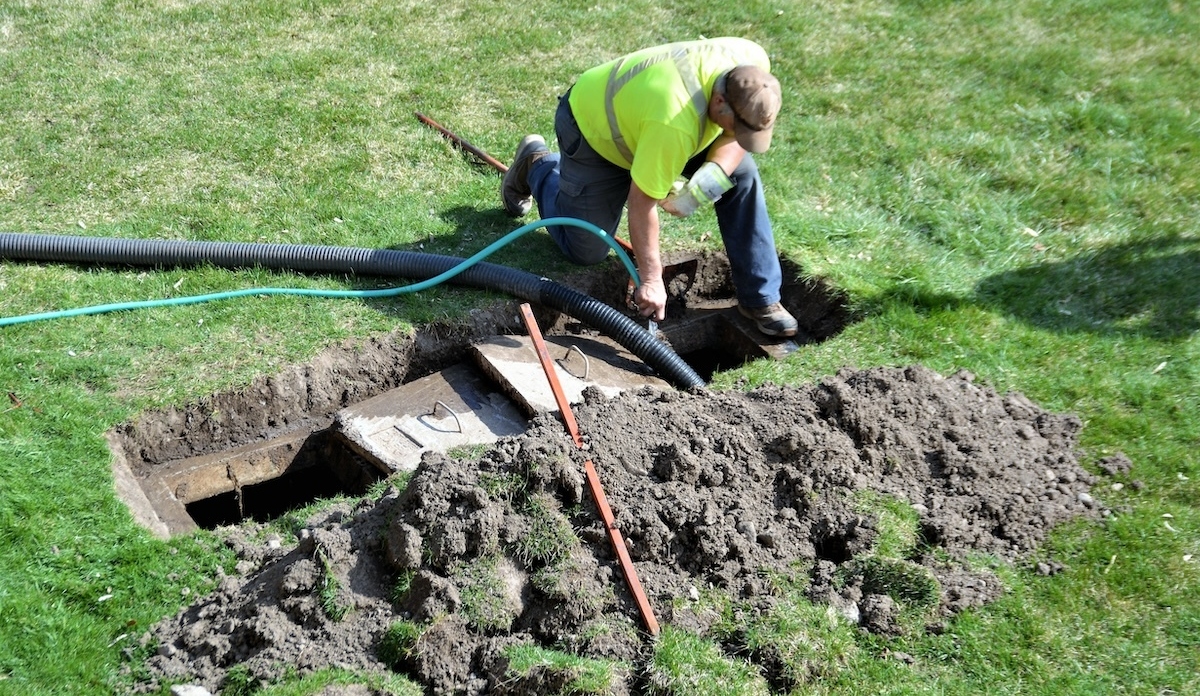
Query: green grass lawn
point(1010, 188)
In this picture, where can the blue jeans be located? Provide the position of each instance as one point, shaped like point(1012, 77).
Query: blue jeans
point(577, 182)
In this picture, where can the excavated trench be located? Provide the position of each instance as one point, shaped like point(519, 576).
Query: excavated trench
point(282, 442)
point(763, 523)
point(867, 498)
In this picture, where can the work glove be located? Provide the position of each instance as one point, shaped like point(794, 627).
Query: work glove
point(705, 186)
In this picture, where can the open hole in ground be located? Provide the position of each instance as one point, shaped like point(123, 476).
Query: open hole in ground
point(362, 411)
point(321, 468)
point(709, 361)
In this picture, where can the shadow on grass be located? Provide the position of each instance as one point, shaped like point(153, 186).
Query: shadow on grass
point(474, 230)
point(534, 251)
point(1146, 288)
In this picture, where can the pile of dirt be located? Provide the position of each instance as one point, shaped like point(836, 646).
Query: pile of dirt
point(713, 491)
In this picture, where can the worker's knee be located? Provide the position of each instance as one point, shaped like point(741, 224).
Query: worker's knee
point(586, 253)
point(581, 246)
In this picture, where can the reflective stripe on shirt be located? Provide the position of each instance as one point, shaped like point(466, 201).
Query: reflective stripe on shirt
point(687, 73)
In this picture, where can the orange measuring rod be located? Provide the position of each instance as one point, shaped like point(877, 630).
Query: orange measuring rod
point(593, 478)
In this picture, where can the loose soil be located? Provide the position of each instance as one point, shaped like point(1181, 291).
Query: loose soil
point(731, 493)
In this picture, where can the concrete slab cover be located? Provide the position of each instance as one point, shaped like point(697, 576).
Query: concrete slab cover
point(451, 408)
point(580, 362)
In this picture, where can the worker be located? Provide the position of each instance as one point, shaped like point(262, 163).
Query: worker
point(629, 130)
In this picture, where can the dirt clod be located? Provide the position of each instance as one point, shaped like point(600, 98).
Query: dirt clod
point(1116, 465)
point(869, 490)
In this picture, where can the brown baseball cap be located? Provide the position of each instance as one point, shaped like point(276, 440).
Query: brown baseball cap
point(754, 96)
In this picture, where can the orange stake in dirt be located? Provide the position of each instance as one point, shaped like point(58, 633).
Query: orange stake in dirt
point(593, 478)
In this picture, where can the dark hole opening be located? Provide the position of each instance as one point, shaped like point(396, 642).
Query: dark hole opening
point(323, 469)
point(712, 359)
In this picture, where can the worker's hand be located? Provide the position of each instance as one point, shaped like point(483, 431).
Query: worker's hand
point(651, 298)
point(669, 203)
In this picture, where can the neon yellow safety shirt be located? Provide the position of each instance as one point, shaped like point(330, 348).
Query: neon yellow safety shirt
point(648, 111)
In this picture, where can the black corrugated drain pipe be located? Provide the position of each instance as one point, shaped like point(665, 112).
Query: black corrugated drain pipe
point(378, 262)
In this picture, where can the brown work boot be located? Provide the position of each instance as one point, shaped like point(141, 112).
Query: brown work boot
point(773, 320)
point(514, 188)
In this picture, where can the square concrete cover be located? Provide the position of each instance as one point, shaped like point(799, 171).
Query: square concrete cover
point(579, 362)
point(452, 408)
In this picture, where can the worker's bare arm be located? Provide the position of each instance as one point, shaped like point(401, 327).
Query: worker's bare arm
point(651, 296)
point(726, 152)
